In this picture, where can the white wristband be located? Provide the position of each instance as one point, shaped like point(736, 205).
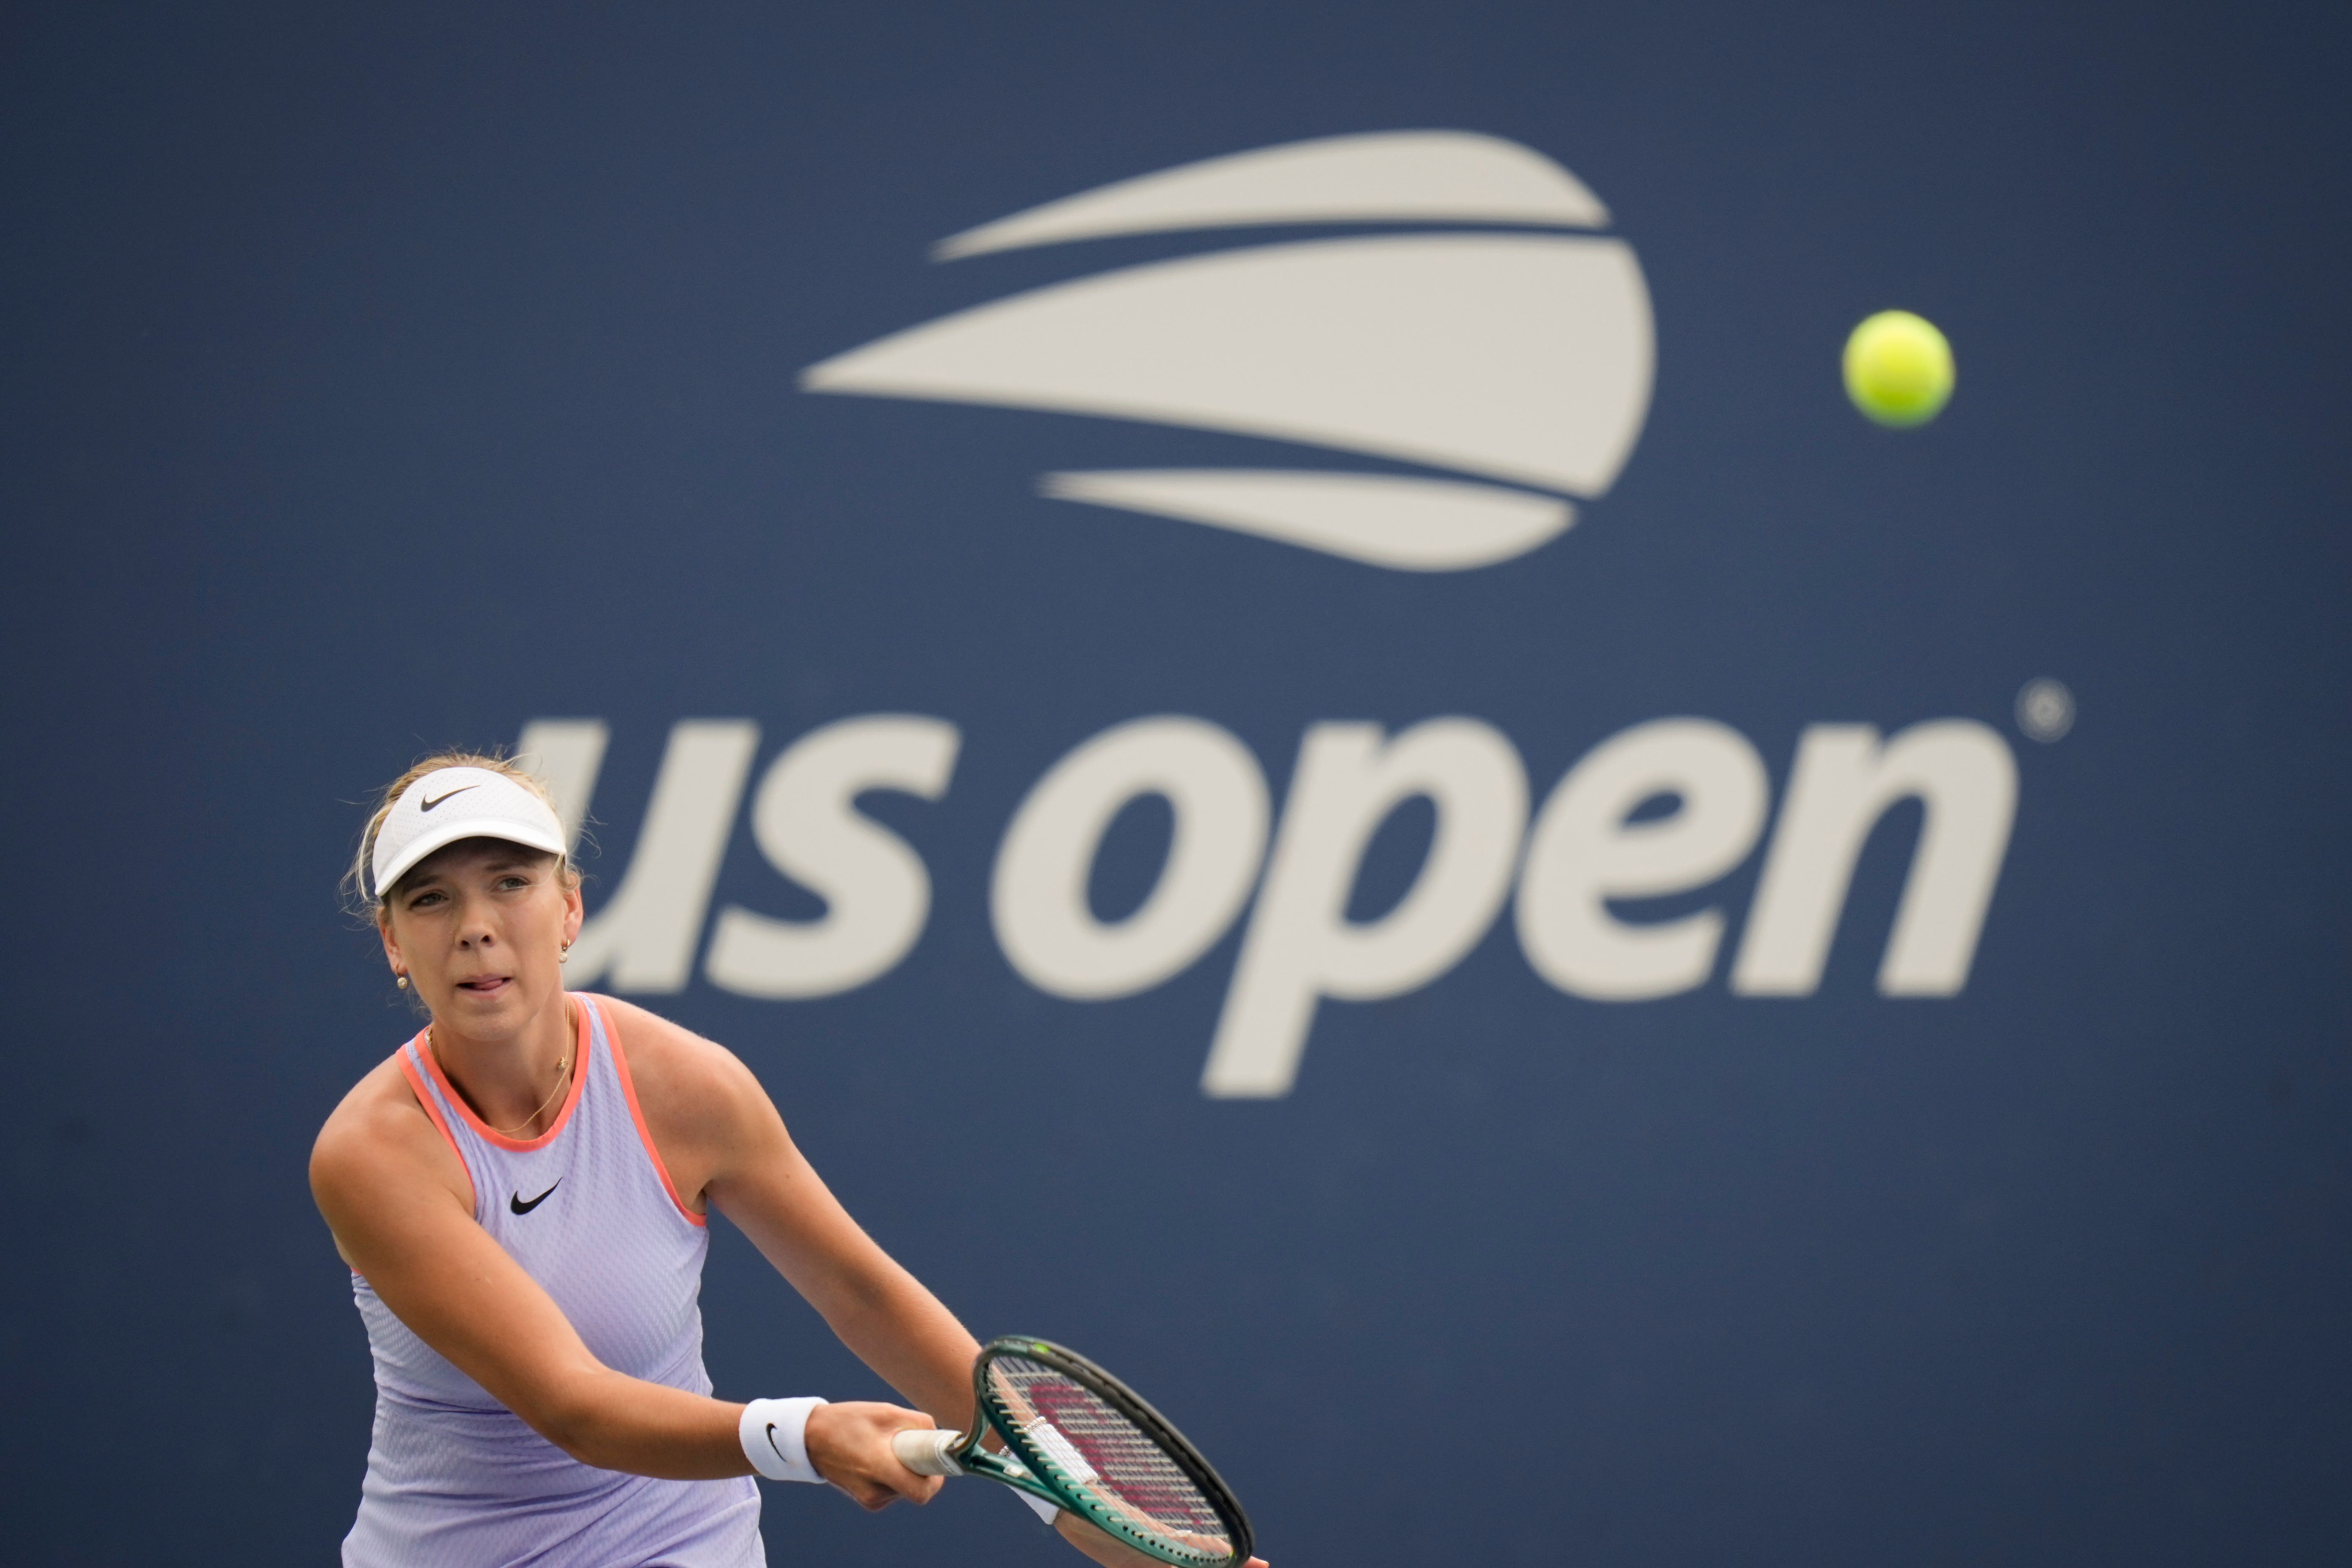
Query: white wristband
point(774, 1434)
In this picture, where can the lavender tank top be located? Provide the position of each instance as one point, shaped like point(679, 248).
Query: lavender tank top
point(455, 1479)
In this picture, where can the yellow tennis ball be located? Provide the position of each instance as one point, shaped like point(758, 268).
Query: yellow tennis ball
point(1898, 369)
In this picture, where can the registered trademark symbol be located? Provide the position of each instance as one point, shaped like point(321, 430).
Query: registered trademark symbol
point(2045, 709)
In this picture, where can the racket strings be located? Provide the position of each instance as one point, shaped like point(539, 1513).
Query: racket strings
point(1102, 1451)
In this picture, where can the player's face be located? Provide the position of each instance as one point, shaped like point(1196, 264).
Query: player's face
point(480, 929)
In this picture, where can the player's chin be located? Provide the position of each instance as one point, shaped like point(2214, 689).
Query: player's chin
point(491, 1000)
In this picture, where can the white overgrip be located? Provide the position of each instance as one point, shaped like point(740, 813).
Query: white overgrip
point(925, 1450)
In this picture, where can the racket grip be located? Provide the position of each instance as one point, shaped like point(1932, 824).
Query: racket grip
point(924, 1450)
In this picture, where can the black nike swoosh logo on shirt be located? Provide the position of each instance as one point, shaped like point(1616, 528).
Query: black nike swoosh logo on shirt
point(516, 1203)
point(431, 801)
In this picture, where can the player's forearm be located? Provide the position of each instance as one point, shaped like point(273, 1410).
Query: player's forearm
point(616, 1422)
point(911, 1342)
point(1100, 1547)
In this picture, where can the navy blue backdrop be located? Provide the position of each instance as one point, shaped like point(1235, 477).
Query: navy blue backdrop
point(384, 380)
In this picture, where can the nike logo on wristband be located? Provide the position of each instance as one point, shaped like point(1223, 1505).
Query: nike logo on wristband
point(517, 1204)
point(771, 1443)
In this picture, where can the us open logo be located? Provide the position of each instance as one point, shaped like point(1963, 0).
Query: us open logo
point(1510, 363)
point(1521, 356)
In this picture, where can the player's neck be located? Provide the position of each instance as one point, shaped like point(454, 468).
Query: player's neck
point(513, 1081)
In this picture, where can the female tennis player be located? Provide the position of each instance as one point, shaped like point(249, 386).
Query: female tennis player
point(521, 1191)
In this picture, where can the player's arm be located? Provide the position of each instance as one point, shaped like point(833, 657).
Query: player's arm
point(394, 1196)
point(402, 1224)
point(707, 1106)
point(1108, 1551)
point(704, 1104)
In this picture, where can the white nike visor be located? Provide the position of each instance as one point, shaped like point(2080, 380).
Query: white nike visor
point(450, 803)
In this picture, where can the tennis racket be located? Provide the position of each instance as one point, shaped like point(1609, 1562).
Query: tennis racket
point(1086, 1442)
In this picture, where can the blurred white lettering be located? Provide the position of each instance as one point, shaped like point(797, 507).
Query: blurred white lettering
point(644, 937)
point(1218, 795)
point(877, 894)
point(1583, 852)
point(1843, 781)
point(1300, 946)
point(1591, 844)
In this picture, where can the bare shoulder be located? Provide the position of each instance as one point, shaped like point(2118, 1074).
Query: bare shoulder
point(685, 1085)
point(378, 1142)
point(710, 1122)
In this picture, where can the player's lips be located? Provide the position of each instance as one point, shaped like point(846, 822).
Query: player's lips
point(486, 985)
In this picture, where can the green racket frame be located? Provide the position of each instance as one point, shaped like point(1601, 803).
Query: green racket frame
point(1034, 1470)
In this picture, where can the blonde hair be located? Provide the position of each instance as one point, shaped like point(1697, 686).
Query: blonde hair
point(355, 879)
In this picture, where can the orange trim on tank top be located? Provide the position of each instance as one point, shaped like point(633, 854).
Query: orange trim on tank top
point(491, 1135)
point(638, 1114)
point(425, 1099)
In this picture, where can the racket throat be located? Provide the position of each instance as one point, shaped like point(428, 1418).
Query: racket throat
point(1004, 1467)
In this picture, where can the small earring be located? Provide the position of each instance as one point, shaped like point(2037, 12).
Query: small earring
point(401, 981)
point(563, 954)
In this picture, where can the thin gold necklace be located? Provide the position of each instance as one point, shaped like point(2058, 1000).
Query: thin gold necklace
point(562, 1075)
